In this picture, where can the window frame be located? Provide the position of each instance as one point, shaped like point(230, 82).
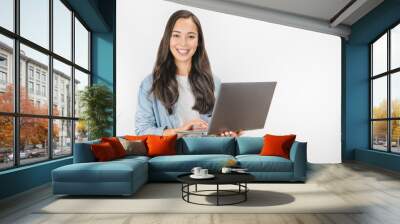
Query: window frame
point(388, 74)
point(15, 72)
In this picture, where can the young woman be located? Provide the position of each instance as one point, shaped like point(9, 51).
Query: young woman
point(180, 94)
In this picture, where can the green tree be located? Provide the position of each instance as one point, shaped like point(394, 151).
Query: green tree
point(97, 104)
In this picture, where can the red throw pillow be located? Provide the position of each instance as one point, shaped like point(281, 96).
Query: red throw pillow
point(161, 145)
point(277, 145)
point(103, 151)
point(116, 145)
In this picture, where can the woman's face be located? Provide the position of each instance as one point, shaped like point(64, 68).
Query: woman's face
point(184, 40)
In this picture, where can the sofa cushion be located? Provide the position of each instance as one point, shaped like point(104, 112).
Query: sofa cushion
point(83, 152)
point(111, 171)
point(277, 145)
point(206, 145)
point(257, 163)
point(116, 145)
point(249, 145)
point(103, 152)
point(161, 145)
point(134, 147)
point(185, 163)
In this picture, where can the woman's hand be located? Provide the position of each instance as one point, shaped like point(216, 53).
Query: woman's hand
point(231, 133)
point(190, 125)
point(193, 125)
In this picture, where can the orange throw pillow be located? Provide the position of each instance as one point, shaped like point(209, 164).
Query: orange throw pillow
point(103, 152)
point(136, 137)
point(277, 145)
point(116, 145)
point(161, 145)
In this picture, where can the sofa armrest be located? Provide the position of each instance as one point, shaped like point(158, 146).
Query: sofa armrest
point(298, 155)
point(83, 152)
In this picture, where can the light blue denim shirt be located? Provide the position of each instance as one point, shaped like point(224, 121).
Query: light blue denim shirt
point(151, 115)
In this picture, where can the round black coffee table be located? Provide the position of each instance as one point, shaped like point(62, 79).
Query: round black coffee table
point(238, 179)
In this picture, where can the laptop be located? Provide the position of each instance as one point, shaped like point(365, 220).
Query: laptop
point(239, 106)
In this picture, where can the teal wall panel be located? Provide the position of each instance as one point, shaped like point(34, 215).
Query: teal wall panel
point(24, 178)
point(102, 58)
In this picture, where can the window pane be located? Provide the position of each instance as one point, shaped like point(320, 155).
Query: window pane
point(62, 29)
point(81, 81)
point(395, 94)
point(33, 140)
point(6, 74)
point(62, 137)
point(7, 14)
point(81, 45)
point(379, 135)
point(34, 79)
point(81, 131)
point(35, 21)
point(395, 136)
point(62, 89)
point(379, 55)
point(6, 142)
point(379, 99)
point(395, 47)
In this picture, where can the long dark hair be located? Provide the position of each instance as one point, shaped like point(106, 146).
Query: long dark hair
point(165, 85)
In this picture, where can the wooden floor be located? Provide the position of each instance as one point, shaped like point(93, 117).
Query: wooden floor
point(377, 188)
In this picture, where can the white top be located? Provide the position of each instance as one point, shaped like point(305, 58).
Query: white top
point(186, 100)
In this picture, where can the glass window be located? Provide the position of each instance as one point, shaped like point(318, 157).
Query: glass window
point(30, 71)
point(385, 137)
point(34, 21)
point(7, 14)
point(40, 62)
point(43, 90)
point(6, 72)
point(3, 78)
point(395, 47)
point(81, 81)
point(37, 75)
point(62, 137)
point(33, 140)
point(62, 75)
point(34, 80)
point(81, 131)
point(37, 89)
point(3, 60)
point(81, 45)
point(379, 135)
point(395, 136)
point(379, 55)
point(30, 87)
point(6, 142)
point(379, 100)
point(62, 29)
point(395, 95)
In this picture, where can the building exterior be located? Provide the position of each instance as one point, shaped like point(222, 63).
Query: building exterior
point(34, 79)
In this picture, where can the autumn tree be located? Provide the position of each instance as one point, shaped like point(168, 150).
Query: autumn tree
point(33, 131)
point(380, 127)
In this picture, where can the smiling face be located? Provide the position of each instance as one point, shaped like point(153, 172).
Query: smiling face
point(184, 40)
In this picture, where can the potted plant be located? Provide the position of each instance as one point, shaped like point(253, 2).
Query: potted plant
point(96, 102)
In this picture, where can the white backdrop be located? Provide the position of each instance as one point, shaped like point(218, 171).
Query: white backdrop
point(306, 65)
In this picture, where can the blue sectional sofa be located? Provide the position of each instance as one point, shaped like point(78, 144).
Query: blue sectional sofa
point(125, 176)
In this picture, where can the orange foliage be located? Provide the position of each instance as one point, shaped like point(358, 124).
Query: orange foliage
point(34, 130)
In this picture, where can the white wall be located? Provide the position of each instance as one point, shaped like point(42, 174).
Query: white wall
point(307, 66)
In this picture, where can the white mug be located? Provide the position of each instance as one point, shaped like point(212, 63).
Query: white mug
point(196, 171)
point(226, 170)
point(203, 172)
